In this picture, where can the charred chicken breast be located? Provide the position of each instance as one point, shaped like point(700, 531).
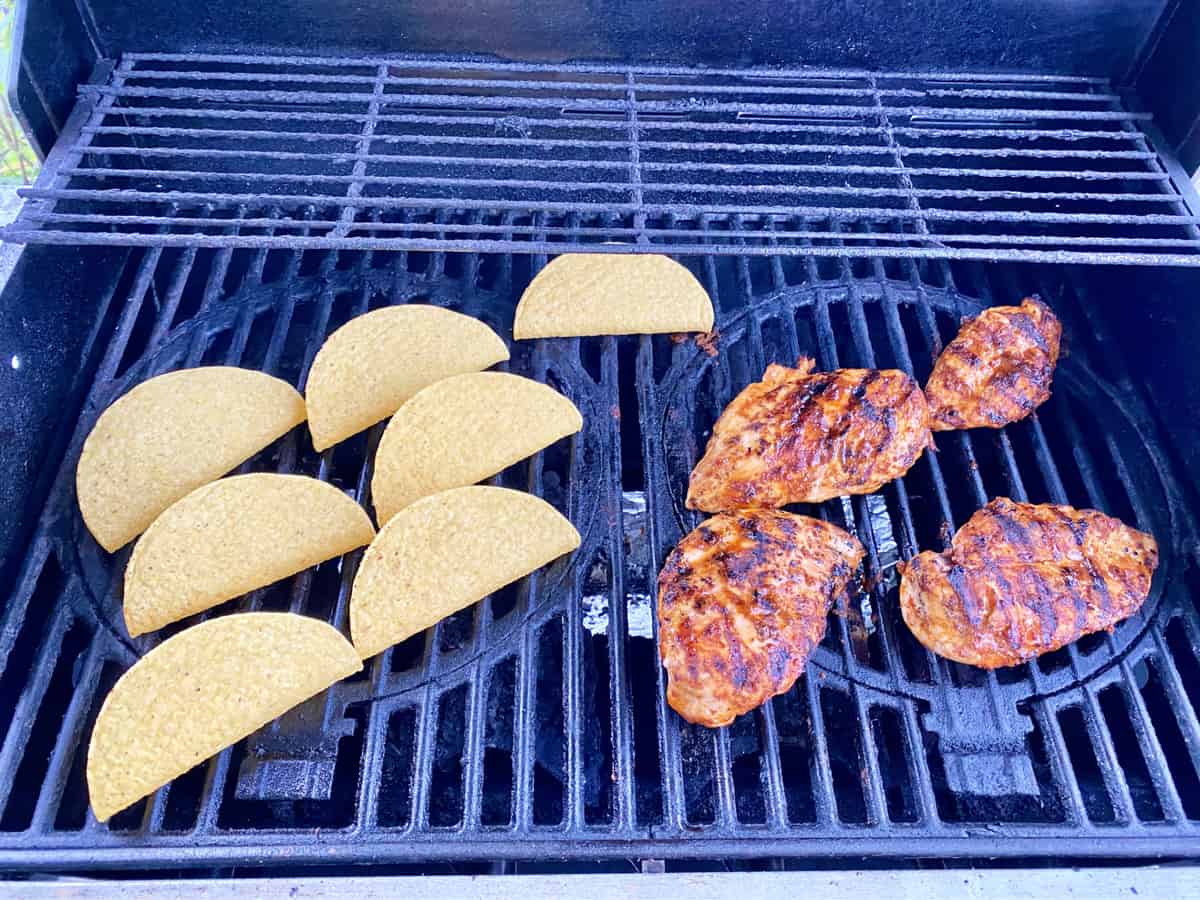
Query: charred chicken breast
point(1022, 579)
point(997, 370)
point(742, 601)
point(800, 436)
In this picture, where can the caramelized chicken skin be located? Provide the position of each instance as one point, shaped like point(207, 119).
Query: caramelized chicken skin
point(804, 437)
point(1023, 579)
point(742, 601)
point(997, 370)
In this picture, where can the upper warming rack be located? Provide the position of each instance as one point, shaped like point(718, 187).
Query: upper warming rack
point(404, 153)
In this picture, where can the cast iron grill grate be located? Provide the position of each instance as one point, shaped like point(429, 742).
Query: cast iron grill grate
point(534, 725)
point(407, 153)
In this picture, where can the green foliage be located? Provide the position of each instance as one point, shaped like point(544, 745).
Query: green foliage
point(17, 159)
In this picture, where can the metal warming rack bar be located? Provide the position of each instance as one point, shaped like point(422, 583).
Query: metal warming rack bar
point(403, 153)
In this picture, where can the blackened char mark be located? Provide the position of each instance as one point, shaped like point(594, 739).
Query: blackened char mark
point(739, 672)
point(962, 350)
point(959, 580)
point(1023, 322)
point(861, 465)
point(846, 415)
point(778, 662)
point(802, 403)
point(1033, 586)
point(1013, 529)
point(1078, 531)
point(739, 565)
point(887, 419)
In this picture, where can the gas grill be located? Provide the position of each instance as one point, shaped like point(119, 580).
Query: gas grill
point(205, 206)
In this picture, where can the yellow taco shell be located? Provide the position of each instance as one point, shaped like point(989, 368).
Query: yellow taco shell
point(580, 294)
point(445, 552)
point(201, 691)
point(172, 434)
point(369, 367)
point(462, 430)
point(233, 536)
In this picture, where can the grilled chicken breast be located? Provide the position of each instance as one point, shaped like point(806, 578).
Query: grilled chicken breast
point(997, 370)
point(804, 437)
point(742, 601)
point(1022, 579)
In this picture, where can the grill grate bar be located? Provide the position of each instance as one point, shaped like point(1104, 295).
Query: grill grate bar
point(30, 700)
point(725, 812)
point(801, 87)
point(379, 712)
point(610, 231)
point(69, 740)
point(862, 341)
point(662, 533)
point(622, 728)
point(687, 210)
point(417, 244)
point(772, 777)
point(1150, 747)
point(501, 66)
point(738, 126)
point(1168, 789)
point(600, 105)
point(573, 814)
point(427, 713)
point(823, 790)
point(523, 752)
point(1115, 784)
point(623, 187)
point(555, 143)
point(16, 606)
point(472, 764)
point(1063, 773)
point(358, 176)
point(874, 793)
point(568, 163)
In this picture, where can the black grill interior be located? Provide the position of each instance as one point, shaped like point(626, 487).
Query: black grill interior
point(534, 724)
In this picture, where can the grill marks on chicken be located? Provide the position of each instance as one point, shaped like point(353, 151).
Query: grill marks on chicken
point(742, 601)
point(1023, 579)
point(997, 370)
point(804, 437)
